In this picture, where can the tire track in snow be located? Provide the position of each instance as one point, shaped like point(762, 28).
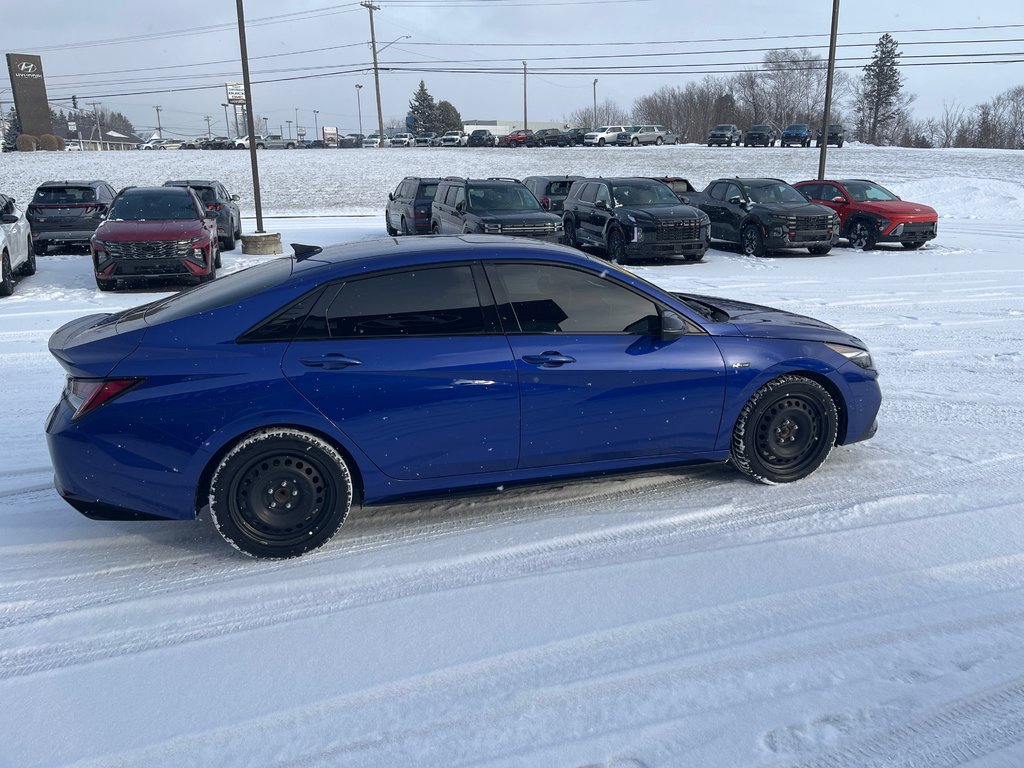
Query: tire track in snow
point(230, 610)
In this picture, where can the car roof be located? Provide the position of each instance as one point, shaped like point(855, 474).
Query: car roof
point(190, 183)
point(152, 190)
point(71, 183)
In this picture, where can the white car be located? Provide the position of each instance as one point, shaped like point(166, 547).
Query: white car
point(16, 253)
point(373, 140)
point(606, 134)
point(454, 139)
point(402, 140)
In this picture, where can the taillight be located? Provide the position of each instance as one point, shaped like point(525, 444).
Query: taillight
point(545, 202)
point(86, 395)
point(214, 207)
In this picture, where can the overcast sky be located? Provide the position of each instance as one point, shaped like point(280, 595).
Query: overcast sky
point(127, 57)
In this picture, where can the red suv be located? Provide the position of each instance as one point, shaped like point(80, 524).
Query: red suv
point(153, 232)
point(869, 213)
point(520, 138)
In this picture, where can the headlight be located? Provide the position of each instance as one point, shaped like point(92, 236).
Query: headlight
point(632, 218)
point(857, 356)
point(704, 219)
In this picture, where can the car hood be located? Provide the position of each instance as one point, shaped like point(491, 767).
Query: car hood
point(512, 215)
point(655, 212)
point(128, 231)
point(795, 209)
point(899, 208)
point(756, 321)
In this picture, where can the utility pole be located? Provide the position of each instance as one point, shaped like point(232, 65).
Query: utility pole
point(209, 133)
point(159, 129)
point(594, 125)
point(235, 110)
point(289, 128)
point(823, 144)
point(359, 107)
point(296, 123)
point(525, 124)
point(96, 115)
point(249, 126)
point(376, 72)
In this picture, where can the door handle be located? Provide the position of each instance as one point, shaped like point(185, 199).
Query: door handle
point(332, 361)
point(548, 359)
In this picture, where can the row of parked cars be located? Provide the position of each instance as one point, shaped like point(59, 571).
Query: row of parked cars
point(794, 135)
point(176, 231)
point(663, 217)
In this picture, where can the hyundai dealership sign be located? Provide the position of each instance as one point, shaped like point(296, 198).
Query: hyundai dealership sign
point(29, 90)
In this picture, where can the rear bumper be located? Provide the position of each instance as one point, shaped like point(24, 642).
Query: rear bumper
point(62, 235)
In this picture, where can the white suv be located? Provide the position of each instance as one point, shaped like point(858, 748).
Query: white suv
point(606, 134)
point(402, 140)
point(454, 139)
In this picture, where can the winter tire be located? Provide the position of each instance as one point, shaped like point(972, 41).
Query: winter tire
point(29, 267)
point(280, 493)
point(785, 431)
point(861, 235)
point(752, 241)
point(6, 276)
point(616, 246)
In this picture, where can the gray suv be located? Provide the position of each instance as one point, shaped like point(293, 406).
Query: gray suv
point(219, 203)
point(493, 207)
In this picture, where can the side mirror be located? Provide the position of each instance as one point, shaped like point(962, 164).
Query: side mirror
point(391, 195)
point(601, 204)
point(234, 197)
point(840, 199)
point(460, 207)
point(683, 199)
point(9, 218)
point(673, 325)
point(736, 200)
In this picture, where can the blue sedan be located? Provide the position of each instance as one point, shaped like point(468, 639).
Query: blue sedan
point(382, 370)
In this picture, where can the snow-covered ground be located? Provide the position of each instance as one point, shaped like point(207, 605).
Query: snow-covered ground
point(870, 615)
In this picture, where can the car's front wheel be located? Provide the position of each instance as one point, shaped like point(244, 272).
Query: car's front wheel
point(569, 233)
point(28, 267)
point(785, 431)
point(6, 275)
point(616, 246)
point(387, 225)
point(861, 235)
point(279, 493)
point(752, 241)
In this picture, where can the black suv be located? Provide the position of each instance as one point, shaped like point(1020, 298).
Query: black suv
point(634, 218)
point(408, 209)
point(836, 135)
point(67, 212)
point(220, 204)
point(725, 133)
point(575, 136)
point(760, 136)
point(551, 137)
point(493, 207)
point(481, 137)
point(550, 190)
point(764, 214)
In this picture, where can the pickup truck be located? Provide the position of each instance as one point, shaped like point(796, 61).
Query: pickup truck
point(761, 215)
point(798, 134)
point(270, 141)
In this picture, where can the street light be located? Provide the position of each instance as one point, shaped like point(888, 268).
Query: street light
point(595, 103)
point(316, 125)
point(227, 129)
point(296, 122)
point(359, 107)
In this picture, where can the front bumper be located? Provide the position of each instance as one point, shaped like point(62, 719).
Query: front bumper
point(651, 243)
point(910, 232)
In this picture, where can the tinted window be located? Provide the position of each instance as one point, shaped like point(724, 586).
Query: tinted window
point(829, 192)
point(774, 192)
point(589, 193)
point(426, 191)
point(425, 302)
point(550, 299)
point(154, 206)
point(506, 197)
point(67, 195)
point(559, 187)
point(811, 191)
point(717, 191)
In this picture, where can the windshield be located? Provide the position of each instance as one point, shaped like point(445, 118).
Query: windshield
point(797, 127)
point(504, 198)
point(153, 207)
point(760, 128)
point(774, 192)
point(868, 191)
point(723, 127)
point(639, 193)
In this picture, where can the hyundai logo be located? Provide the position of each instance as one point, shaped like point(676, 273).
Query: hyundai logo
point(27, 66)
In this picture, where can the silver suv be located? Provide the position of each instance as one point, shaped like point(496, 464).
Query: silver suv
point(636, 135)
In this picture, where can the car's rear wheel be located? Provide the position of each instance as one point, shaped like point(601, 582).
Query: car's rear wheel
point(40, 247)
point(911, 246)
point(279, 493)
point(752, 241)
point(227, 243)
point(785, 431)
point(861, 235)
point(435, 229)
point(6, 275)
point(29, 267)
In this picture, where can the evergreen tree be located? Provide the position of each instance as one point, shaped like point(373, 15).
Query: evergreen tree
point(448, 117)
point(879, 103)
point(423, 110)
point(12, 132)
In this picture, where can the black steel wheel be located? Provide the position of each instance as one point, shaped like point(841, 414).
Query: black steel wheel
point(785, 431)
point(280, 493)
point(6, 275)
point(616, 246)
point(861, 235)
point(752, 241)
